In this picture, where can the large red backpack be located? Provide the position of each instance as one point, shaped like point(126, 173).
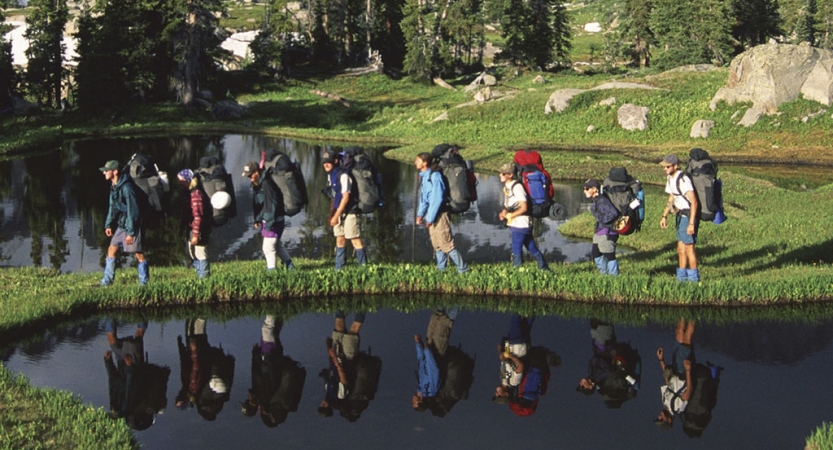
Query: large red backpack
point(536, 181)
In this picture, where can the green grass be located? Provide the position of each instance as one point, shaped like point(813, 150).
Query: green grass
point(821, 438)
point(32, 419)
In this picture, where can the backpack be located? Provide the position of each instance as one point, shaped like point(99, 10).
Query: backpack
point(627, 195)
point(709, 189)
point(367, 179)
point(217, 184)
point(458, 175)
point(154, 189)
point(698, 413)
point(288, 177)
point(529, 168)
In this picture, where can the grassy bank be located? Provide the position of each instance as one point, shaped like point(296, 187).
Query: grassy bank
point(775, 248)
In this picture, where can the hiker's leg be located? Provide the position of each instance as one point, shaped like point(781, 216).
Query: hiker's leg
point(270, 251)
point(612, 264)
point(109, 271)
point(143, 269)
point(457, 258)
point(361, 255)
point(598, 258)
point(517, 246)
point(442, 259)
point(537, 255)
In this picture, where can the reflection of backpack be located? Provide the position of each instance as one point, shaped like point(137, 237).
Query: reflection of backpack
point(367, 179)
point(288, 177)
point(217, 184)
point(709, 189)
point(698, 413)
point(536, 180)
point(627, 195)
point(458, 174)
point(154, 190)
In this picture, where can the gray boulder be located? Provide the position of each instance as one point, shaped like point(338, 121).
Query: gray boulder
point(228, 110)
point(701, 129)
point(750, 117)
point(771, 74)
point(560, 100)
point(632, 117)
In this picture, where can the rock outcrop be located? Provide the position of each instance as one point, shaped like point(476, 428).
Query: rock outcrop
point(560, 99)
point(632, 117)
point(771, 74)
point(701, 129)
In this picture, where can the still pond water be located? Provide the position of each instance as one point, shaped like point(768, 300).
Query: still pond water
point(771, 392)
point(53, 206)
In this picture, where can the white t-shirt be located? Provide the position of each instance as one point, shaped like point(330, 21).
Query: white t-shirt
point(672, 402)
point(346, 183)
point(513, 192)
point(680, 202)
point(507, 367)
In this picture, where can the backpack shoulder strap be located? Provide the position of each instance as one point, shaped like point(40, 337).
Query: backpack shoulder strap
point(679, 189)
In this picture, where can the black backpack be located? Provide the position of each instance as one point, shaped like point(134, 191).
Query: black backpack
point(367, 179)
point(627, 195)
point(154, 189)
point(214, 178)
point(288, 177)
point(458, 175)
point(709, 189)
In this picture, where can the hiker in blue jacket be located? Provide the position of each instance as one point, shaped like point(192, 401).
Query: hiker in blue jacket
point(123, 224)
point(433, 193)
point(428, 374)
point(605, 235)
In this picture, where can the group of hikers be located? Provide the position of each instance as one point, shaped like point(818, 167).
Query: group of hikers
point(447, 185)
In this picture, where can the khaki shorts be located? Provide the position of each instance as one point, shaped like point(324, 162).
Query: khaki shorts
point(348, 227)
point(440, 233)
point(345, 344)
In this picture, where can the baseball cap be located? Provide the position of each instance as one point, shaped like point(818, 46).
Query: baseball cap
point(250, 168)
point(670, 160)
point(109, 165)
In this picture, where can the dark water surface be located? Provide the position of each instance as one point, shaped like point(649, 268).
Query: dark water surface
point(771, 393)
point(52, 208)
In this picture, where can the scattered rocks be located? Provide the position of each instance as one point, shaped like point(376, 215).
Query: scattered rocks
point(610, 101)
point(632, 117)
point(701, 129)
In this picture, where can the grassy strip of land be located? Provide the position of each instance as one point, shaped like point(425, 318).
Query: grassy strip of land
point(48, 419)
point(821, 438)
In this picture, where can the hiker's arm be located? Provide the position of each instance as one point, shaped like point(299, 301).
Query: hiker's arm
point(661, 360)
point(519, 365)
point(689, 387)
point(518, 212)
point(436, 200)
point(692, 199)
point(668, 205)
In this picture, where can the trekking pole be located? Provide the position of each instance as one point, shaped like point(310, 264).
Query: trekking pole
point(413, 219)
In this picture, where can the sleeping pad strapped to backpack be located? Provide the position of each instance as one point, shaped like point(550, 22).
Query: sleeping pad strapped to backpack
point(627, 195)
point(288, 177)
point(458, 174)
point(154, 190)
point(217, 184)
point(367, 179)
point(529, 168)
point(709, 189)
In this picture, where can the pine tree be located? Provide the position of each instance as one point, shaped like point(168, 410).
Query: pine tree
point(807, 32)
point(691, 33)
point(634, 33)
point(755, 22)
point(514, 23)
point(7, 73)
point(196, 46)
point(418, 60)
point(45, 32)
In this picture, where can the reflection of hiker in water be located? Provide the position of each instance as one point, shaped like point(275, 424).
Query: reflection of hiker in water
point(525, 370)
point(448, 366)
point(352, 378)
point(206, 372)
point(615, 368)
point(678, 387)
point(137, 389)
point(277, 380)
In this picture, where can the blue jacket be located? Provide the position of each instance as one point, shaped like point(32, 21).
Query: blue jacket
point(429, 372)
point(124, 209)
point(431, 195)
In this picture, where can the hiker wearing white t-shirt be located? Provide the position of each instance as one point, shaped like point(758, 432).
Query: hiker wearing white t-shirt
point(682, 200)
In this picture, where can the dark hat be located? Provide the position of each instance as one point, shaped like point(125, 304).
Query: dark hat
point(110, 165)
point(328, 157)
point(506, 168)
point(250, 168)
point(591, 183)
point(670, 160)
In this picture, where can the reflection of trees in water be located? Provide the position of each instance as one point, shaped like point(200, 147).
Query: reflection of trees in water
point(44, 208)
point(766, 343)
point(5, 193)
point(44, 344)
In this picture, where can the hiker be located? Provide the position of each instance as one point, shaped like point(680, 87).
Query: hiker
point(195, 219)
point(277, 379)
point(511, 354)
point(517, 215)
point(677, 390)
point(206, 372)
point(123, 224)
point(604, 235)
point(343, 217)
point(269, 215)
point(432, 213)
point(682, 201)
point(613, 370)
point(352, 378)
point(428, 355)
